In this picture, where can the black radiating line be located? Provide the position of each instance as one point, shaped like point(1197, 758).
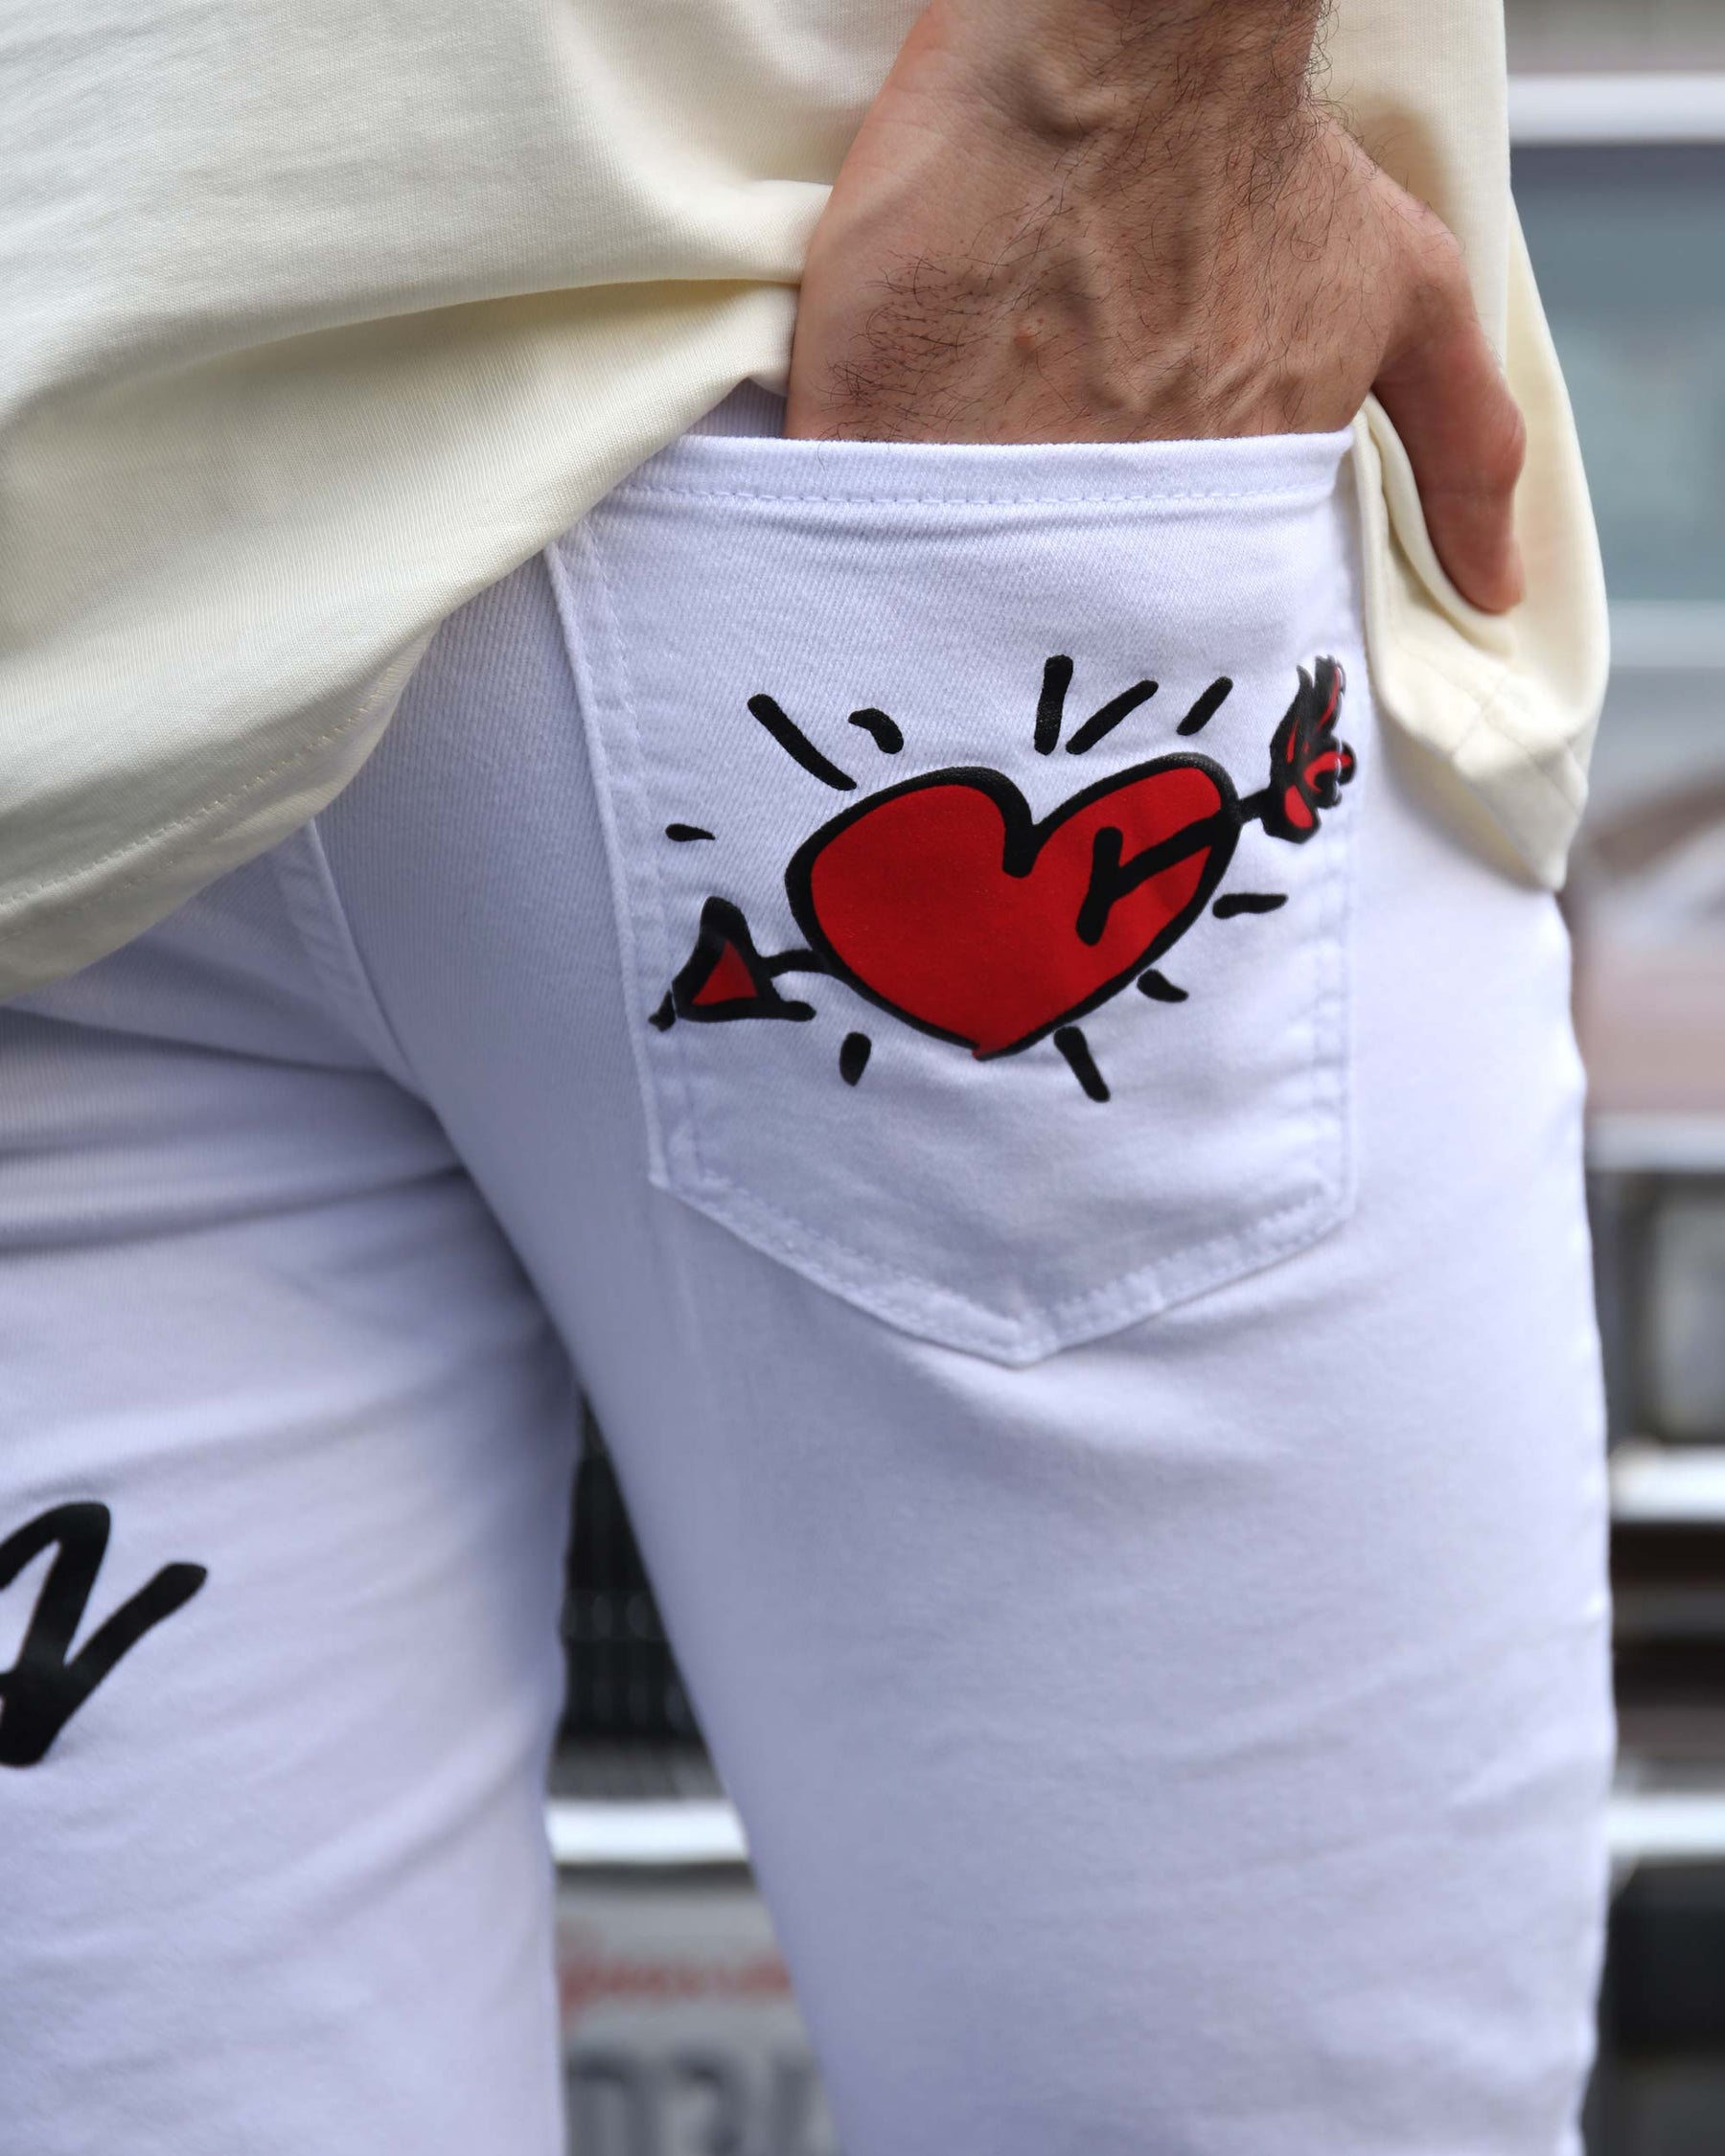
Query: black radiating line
point(798, 746)
point(1075, 1049)
point(853, 1057)
point(883, 731)
point(1109, 717)
point(794, 962)
point(1206, 707)
point(665, 1017)
point(1248, 902)
point(1050, 705)
point(683, 832)
point(1160, 988)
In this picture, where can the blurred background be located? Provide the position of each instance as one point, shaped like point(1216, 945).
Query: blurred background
point(681, 2036)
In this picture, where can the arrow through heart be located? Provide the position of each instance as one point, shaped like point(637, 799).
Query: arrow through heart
point(942, 901)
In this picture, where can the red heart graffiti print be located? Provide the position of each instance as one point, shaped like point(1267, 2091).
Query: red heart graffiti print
point(942, 901)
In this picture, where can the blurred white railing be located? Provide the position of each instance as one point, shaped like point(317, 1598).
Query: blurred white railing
point(1646, 1826)
point(1608, 108)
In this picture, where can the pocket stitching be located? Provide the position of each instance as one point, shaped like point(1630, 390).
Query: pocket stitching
point(784, 1234)
point(1328, 1041)
point(1193, 1256)
point(589, 696)
point(809, 1242)
point(1253, 495)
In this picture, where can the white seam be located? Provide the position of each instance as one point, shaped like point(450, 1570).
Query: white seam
point(582, 666)
point(381, 688)
point(354, 977)
point(626, 707)
point(1494, 716)
point(1107, 1292)
point(1490, 716)
point(865, 500)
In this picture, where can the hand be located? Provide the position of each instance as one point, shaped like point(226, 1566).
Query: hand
point(1095, 220)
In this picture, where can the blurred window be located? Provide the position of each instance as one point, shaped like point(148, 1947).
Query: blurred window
point(1628, 242)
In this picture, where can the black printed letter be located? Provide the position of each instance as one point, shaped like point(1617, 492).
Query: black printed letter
point(48, 1683)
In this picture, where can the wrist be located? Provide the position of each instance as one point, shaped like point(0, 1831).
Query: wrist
point(1093, 71)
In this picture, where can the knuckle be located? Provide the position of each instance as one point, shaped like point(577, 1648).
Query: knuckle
point(1439, 273)
point(1430, 271)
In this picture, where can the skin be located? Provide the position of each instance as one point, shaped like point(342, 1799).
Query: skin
point(1095, 220)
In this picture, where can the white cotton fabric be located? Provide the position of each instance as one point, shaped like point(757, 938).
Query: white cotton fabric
point(1019, 1216)
point(321, 318)
point(1197, 1738)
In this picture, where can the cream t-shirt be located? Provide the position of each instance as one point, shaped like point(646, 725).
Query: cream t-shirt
point(319, 318)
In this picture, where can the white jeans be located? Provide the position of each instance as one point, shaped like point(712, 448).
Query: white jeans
point(1140, 1560)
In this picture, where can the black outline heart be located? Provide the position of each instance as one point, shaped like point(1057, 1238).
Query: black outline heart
point(1024, 840)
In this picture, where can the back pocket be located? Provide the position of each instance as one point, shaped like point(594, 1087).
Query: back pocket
point(979, 834)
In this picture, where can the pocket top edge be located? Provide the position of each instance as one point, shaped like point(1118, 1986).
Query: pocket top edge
point(1283, 467)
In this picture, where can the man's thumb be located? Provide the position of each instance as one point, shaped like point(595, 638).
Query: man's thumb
point(1463, 432)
